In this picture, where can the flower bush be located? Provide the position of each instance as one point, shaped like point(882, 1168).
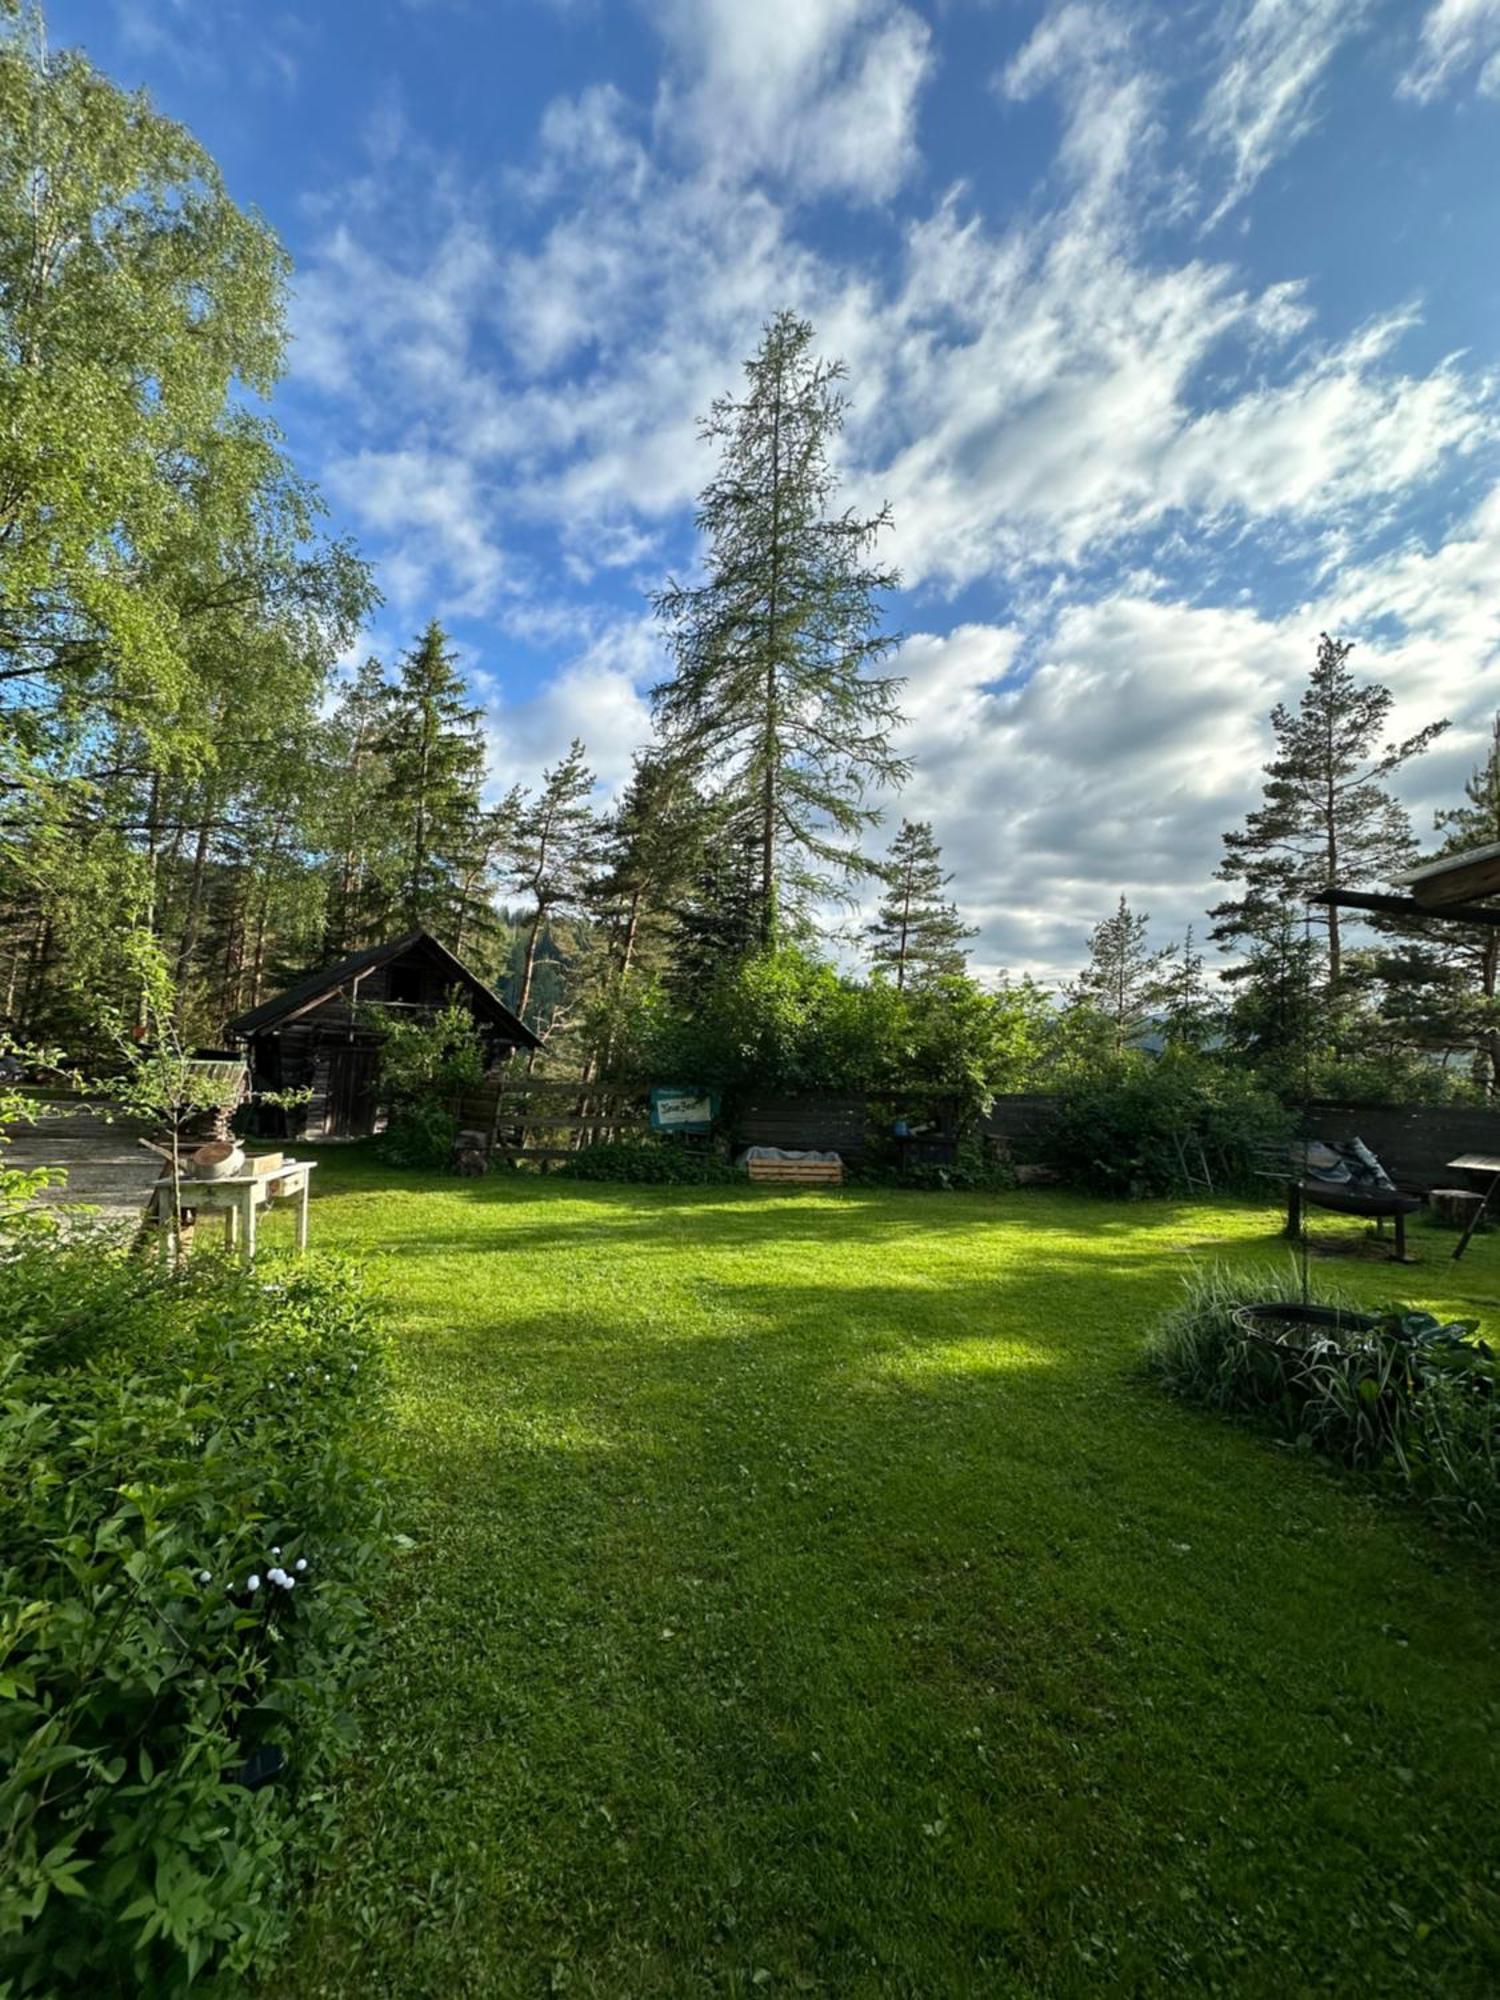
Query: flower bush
point(193, 1521)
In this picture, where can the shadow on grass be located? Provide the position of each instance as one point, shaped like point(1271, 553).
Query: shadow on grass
point(894, 1624)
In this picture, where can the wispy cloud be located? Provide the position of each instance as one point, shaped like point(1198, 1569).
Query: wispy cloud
point(1457, 36)
point(1265, 97)
point(819, 95)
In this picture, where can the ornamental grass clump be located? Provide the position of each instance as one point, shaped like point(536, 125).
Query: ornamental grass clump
point(192, 1525)
point(1395, 1392)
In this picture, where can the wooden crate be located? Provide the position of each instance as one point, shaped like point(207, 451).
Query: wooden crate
point(802, 1173)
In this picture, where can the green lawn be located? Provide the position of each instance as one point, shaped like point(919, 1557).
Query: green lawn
point(810, 1597)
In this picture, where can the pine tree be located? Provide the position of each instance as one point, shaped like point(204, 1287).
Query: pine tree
point(556, 850)
point(1326, 816)
point(1124, 978)
point(651, 851)
point(434, 759)
point(718, 913)
point(775, 705)
point(917, 936)
point(355, 831)
point(1189, 1011)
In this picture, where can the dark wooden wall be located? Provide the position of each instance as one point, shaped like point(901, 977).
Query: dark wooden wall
point(1413, 1142)
point(817, 1121)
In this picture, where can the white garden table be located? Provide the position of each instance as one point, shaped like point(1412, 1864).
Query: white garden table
point(239, 1198)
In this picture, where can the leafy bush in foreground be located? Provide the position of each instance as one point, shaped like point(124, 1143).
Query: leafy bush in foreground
point(1127, 1128)
point(1412, 1398)
point(191, 1523)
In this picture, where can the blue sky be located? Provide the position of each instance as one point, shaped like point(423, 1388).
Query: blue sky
point(1172, 332)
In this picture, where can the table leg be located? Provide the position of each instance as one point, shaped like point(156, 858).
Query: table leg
point(247, 1230)
point(1475, 1219)
point(231, 1226)
point(302, 1216)
point(1400, 1238)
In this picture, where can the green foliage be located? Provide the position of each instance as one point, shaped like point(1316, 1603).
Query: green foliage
point(421, 1059)
point(164, 1441)
point(776, 703)
point(419, 1135)
point(432, 750)
point(1326, 813)
point(1411, 1396)
point(1124, 980)
point(917, 935)
point(20, 1215)
point(784, 1020)
point(661, 1161)
point(423, 1066)
point(1133, 1126)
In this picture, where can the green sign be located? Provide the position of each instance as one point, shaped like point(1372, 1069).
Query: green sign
point(683, 1108)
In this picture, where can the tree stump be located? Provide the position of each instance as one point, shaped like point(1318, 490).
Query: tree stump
point(470, 1158)
point(1453, 1206)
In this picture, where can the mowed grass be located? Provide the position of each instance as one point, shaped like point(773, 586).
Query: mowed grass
point(810, 1596)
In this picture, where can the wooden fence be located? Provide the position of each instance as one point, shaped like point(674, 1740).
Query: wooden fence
point(544, 1120)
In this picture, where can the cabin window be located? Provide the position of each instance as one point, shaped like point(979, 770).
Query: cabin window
point(404, 985)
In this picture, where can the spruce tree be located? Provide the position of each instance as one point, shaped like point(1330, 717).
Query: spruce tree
point(556, 851)
point(1326, 815)
point(775, 703)
point(1124, 978)
point(917, 936)
point(434, 768)
point(354, 828)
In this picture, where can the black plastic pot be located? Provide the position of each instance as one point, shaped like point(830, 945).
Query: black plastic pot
point(1289, 1323)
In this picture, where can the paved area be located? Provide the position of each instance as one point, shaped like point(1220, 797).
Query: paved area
point(107, 1170)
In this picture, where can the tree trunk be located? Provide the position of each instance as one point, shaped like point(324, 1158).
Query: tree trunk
point(528, 966)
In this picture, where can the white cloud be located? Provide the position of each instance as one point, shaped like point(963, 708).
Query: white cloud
point(433, 513)
point(821, 95)
point(1040, 399)
point(601, 694)
point(1456, 36)
point(1118, 762)
point(1264, 99)
point(1085, 52)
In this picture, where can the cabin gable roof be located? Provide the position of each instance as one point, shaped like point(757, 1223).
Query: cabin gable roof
point(317, 987)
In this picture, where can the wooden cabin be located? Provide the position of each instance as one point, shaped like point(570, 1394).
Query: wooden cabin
point(324, 1033)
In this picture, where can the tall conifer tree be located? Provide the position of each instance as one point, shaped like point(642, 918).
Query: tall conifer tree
point(1124, 979)
point(918, 935)
point(1326, 815)
point(777, 704)
point(556, 851)
point(434, 768)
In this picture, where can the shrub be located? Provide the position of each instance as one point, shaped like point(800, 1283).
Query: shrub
point(424, 1065)
point(418, 1135)
point(1412, 1397)
point(1135, 1126)
point(660, 1160)
point(192, 1523)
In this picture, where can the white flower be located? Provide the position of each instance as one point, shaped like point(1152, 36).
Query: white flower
point(276, 1552)
point(253, 1584)
point(204, 1577)
point(289, 1583)
point(301, 1562)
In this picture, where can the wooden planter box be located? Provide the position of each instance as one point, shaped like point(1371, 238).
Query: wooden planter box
point(802, 1173)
